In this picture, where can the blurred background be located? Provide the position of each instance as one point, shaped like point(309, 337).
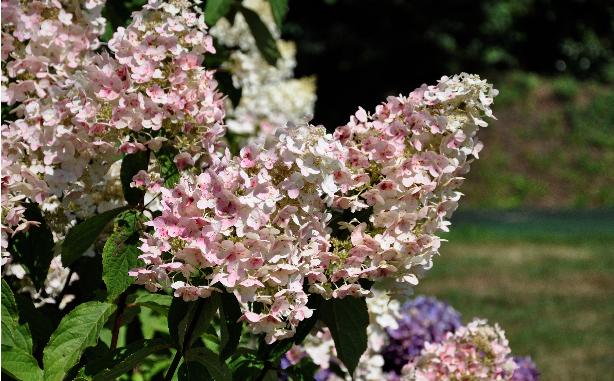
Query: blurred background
point(532, 245)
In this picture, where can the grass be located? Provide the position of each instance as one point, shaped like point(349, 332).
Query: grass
point(546, 278)
point(552, 145)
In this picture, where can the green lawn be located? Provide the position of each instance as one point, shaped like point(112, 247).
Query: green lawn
point(546, 278)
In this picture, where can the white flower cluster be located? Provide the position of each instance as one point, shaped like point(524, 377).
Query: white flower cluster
point(270, 96)
point(384, 313)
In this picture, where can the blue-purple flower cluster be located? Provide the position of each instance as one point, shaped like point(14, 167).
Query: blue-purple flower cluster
point(526, 371)
point(424, 320)
point(423, 327)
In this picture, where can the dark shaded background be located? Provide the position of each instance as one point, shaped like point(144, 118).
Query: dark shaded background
point(363, 50)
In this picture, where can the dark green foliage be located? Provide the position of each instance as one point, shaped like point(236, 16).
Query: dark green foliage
point(215, 366)
point(230, 326)
point(131, 165)
point(188, 320)
point(34, 248)
point(40, 324)
point(122, 360)
point(224, 81)
point(17, 359)
point(168, 170)
point(216, 9)
point(264, 39)
point(347, 320)
point(84, 234)
point(120, 253)
point(279, 8)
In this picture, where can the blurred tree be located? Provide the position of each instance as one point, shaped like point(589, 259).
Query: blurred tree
point(385, 47)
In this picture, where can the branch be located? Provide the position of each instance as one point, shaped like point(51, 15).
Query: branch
point(121, 306)
point(173, 367)
point(186, 341)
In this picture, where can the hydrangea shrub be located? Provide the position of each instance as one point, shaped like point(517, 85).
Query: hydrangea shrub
point(167, 208)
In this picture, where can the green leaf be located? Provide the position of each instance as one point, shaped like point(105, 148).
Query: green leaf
point(84, 234)
point(120, 254)
point(168, 170)
point(13, 334)
point(246, 366)
point(17, 359)
point(216, 9)
point(20, 364)
point(34, 248)
point(9, 306)
point(188, 320)
point(40, 324)
point(215, 365)
point(226, 86)
point(77, 331)
point(131, 165)
point(279, 8)
point(264, 39)
point(125, 359)
point(230, 327)
point(157, 302)
point(193, 371)
point(347, 320)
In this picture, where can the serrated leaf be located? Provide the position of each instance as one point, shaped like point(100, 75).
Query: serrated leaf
point(120, 254)
point(13, 334)
point(9, 306)
point(34, 248)
point(188, 320)
point(266, 44)
point(157, 302)
point(216, 9)
point(230, 326)
point(216, 367)
point(20, 364)
point(84, 234)
point(122, 360)
point(168, 170)
point(17, 359)
point(279, 8)
point(347, 320)
point(131, 165)
point(77, 331)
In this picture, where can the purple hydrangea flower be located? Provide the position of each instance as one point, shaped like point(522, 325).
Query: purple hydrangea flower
point(423, 320)
point(526, 371)
point(323, 374)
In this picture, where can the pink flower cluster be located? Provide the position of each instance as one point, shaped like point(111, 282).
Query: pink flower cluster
point(86, 108)
point(305, 210)
point(411, 155)
point(255, 224)
point(154, 83)
point(477, 352)
point(44, 43)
